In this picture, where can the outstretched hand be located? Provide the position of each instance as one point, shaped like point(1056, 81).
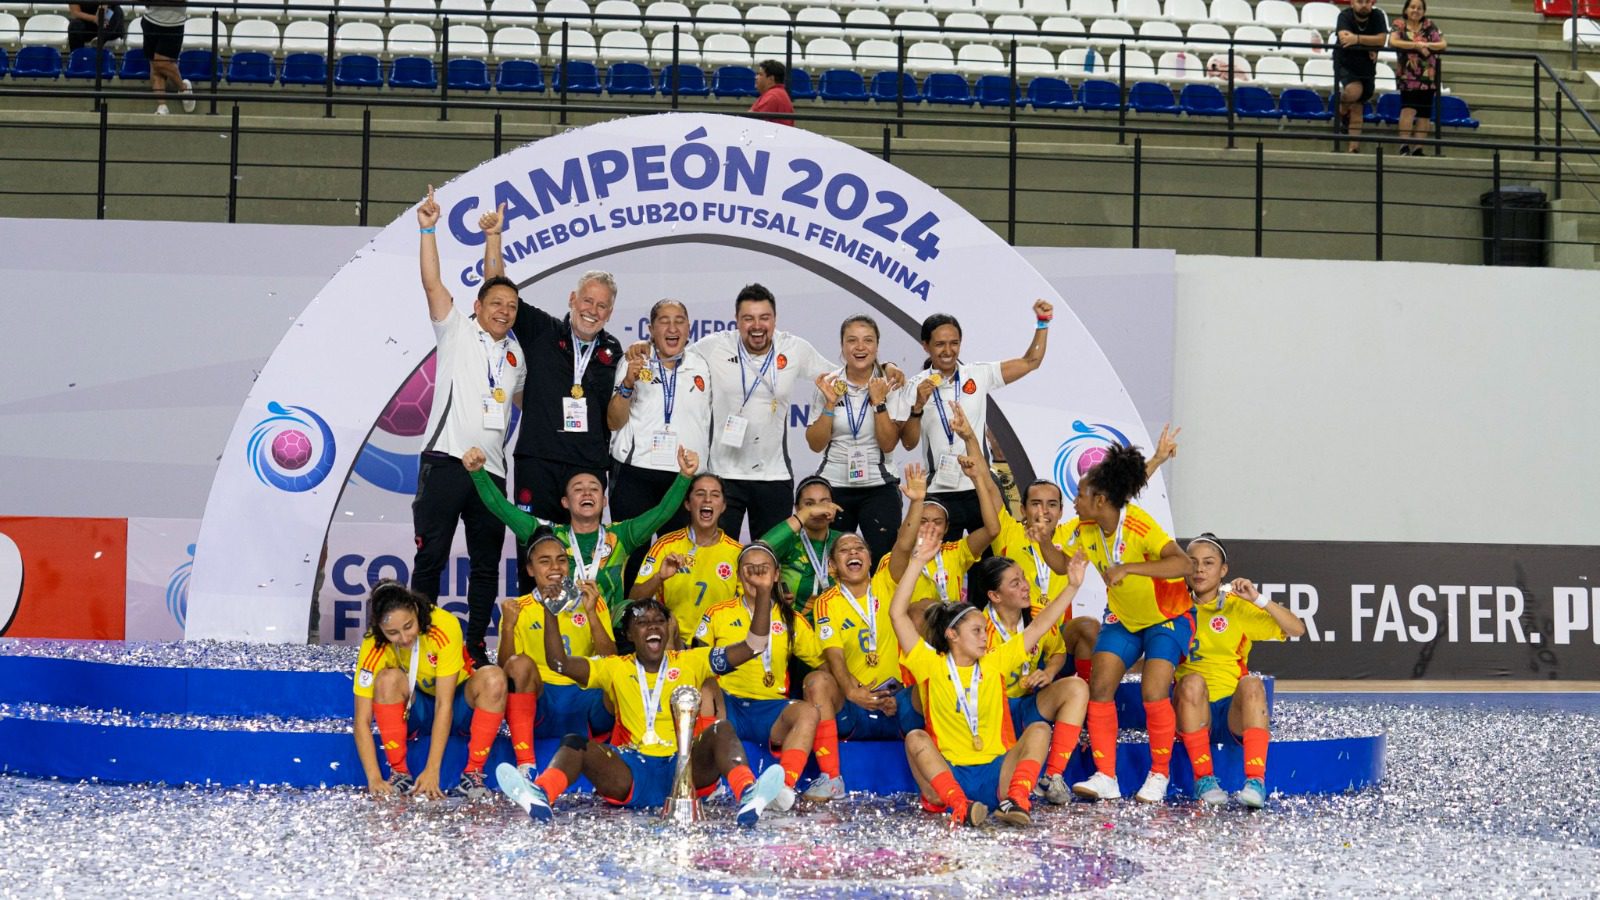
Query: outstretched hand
point(930, 539)
point(688, 461)
point(428, 211)
point(492, 221)
point(1167, 443)
point(915, 484)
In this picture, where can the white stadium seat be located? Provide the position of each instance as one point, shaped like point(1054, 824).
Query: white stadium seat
point(1277, 14)
point(1160, 37)
point(828, 53)
point(1080, 62)
point(631, 19)
point(1179, 65)
point(624, 46)
point(1035, 61)
point(517, 42)
point(575, 13)
point(1303, 36)
point(424, 11)
point(725, 50)
point(1051, 31)
point(10, 28)
point(1232, 12)
point(688, 49)
point(868, 23)
point(255, 34)
point(197, 34)
point(775, 46)
point(1140, 9)
point(1026, 31)
point(411, 39)
point(981, 59)
point(358, 37)
point(1318, 74)
point(511, 12)
point(1319, 16)
point(917, 19)
point(876, 55)
point(1217, 67)
point(1201, 33)
point(659, 16)
point(370, 10)
point(1045, 8)
point(580, 46)
point(1267, 41)
point(1111, 33)
point(973, 27)
point(926, 56)
point(305, 37)
point(817, 21)
point(766, 20)
point(1186, 10)
point(1093, 9)
point(468, 40)
point(464, 12)
point(1140, 66)
point(1277, 70)
point(703, 16)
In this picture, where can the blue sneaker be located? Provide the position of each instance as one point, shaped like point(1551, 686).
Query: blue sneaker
point(1253, 794)
point(1208, 791)
point(530, 797)
point(758, 796)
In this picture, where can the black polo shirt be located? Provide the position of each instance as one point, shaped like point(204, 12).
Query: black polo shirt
point(548, 343)
point(1358, 60)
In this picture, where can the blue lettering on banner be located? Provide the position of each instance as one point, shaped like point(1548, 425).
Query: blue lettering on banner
point(353, 575)
point(698, 328)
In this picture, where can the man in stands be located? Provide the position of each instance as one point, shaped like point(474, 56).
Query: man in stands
point(1362, 31)
point(770, 75)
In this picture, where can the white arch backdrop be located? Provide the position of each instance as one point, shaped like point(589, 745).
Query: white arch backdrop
point(878, 233)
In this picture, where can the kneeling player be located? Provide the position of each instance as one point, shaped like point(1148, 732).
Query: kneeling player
point(413, 675)
point(1216, 704)
point(970, 746)
point(639, 773)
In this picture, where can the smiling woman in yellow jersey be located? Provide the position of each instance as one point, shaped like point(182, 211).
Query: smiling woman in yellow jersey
point(1218, 700)
point(1149, 614)
point(692, 569)
point(969, 748)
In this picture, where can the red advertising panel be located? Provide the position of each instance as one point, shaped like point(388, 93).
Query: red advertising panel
point(63, 578)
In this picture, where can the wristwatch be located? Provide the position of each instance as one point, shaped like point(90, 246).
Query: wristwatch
point(881, 407)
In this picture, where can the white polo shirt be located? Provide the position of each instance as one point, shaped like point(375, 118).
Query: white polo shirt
point(636, 443)
point(854, 439)
point(468, 366)
point(976, 380)
point(748, 388)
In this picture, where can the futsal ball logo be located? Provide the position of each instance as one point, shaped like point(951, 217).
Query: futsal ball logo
point(579, 619)
point(1219, 624)
point(673, 673)
point(1083, 451)
point(281, 448)
point(178, 590)
point(389, 458)
point(724, 571)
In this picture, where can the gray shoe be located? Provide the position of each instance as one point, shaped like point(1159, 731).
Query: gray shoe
point(825, 788)
point(1053, 788)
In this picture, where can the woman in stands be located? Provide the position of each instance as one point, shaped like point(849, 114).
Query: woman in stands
point(852, 429)
point(1419, 42)
point(1149, 615)
point(1217, 702)
point(412, 676)
point(970, 747)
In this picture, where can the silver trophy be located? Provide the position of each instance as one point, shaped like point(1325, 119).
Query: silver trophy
point(682, 806)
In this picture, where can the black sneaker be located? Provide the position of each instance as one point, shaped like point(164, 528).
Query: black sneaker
point(977, 814)
point(1009, 813)
point(479, 654)
point(402, 782)
point(471, 788)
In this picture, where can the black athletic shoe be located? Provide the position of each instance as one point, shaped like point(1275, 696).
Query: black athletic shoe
point(1009, 813)
point(479, 654)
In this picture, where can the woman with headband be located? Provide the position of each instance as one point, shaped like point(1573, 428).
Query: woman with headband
point(804, 541)
point(1217, 702)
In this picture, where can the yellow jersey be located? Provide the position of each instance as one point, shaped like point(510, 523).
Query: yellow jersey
point(443, 653)
point(1223, 634)
point(528, 639)
point(1012, 542)
point(709, 581)
point(842, 626)
point(1050, 645)
point(947, 725)
point(618, 676)
point(729, 623)
point(945, 578)
point(1139, 601)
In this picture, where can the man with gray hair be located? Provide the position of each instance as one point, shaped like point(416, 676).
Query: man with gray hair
point(572, 369)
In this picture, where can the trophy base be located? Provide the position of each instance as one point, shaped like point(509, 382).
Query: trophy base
point(682, 811)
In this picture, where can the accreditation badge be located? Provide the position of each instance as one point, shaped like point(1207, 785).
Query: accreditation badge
point(574, 414)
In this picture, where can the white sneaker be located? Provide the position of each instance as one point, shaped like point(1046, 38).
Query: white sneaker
point(825, 788)
point(1208, 791)
point(161, 110)
point(1154, 790)
point(1100, 786)
point(188, 96)
point(785, 799)
point(1053, 788)
point(1253, 794)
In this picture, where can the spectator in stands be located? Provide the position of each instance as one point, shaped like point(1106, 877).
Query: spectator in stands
point(89, 22)
point(163, 41)
point(1362, 31)
point(774, 98)
point(1418, 40)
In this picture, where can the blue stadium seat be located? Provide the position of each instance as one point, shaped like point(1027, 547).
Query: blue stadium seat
point(1253, 102)
point(579, 77)
point(304, 68)
point(252, 68)
point(799, 85)
point(81, 64)
point(1453, 111)
point(1152, 97)
point(1303, 104)
point(947, 88)
point(1203, 100)
point(1097, 93)
point(691, 81)
point(1051, 93)
point(413, 72)
point(843, 86)
point(37, 62)
point(883, 88)
point(520, 75)
point(467, 75)
point(197, 65)
point(734, 81)
point(358, 70)
point(134, 66)
point(630, 79)
point(5, 62)
point(1388, 111)
point(995, 90)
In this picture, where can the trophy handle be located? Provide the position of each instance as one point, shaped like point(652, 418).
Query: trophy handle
point(682, 806)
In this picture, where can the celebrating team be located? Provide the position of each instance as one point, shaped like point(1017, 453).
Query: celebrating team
point(957, 640)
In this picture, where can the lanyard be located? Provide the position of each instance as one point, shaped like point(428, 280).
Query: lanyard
point(651, 698)
point(938, 404)
point(766, 367)
point(1005, 635)
point(669, 386)
point(489, 348)
point(868, 616)
point(966, 698)
point(1041, 574)
point(580, 358)
point(819, 569)
point(586, 572)
point(940, 578)
point(766, 655)
point(850, 417)
point(1114, 549)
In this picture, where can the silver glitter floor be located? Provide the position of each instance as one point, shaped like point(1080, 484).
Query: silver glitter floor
point(1483, 798)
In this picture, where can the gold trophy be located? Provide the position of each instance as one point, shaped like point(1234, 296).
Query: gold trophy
point(682, 806)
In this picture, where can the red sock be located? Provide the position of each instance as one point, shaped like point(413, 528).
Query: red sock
point(793, 762)
point(955, 800)
point(1022, 782)
point(1083, 667)
point(1255, 753)
point(826, 746)
point(1163, 725)
point(1198, 743)
point(554, 781)
point(485, 726)
point(520, 709)
point(391, 719)
point(1103, 736)
point(701, 723)
point(740, 778)
point(1063, 739)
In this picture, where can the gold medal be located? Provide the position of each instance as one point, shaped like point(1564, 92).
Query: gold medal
point(499, 395)
point(977, 742)
point(936, 379)
point(647, 375)
point(839, 387)
point(651, 739)
point(768, 680)
point(872, 659)
point(577, 392)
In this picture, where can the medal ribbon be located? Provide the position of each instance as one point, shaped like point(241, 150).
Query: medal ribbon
point(1041, 573)
point(1113, 553)
point(489, 348)
point(651, 698)
point(580, 357)
point(411, 686)
point(868, 616)
point(940, 577)
point(1005, 635)
point(854, 421)
point(766, 367)
point(669, 386)
point(966, 698)
point(938, 404)
point(819, 569)
point(586, 572)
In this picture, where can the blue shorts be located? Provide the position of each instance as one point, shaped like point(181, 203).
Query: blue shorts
point(857, 723)
point(981, 784)
point(752, 720)
point(568, 709)
point(1024, 712)
point(1220, 733)
point(652, 779)
point(1167, 640)
point(420, 720)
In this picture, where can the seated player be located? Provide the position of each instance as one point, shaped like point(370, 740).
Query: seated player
point(757, 691)
point(1217, 702)
point(1149, 615)
point(692, 569)
point(599, 553)
point(636, 770)
point(412, 676)
point(543, 702)
point(804, 541)
point(996, 586)
point(970, 747)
